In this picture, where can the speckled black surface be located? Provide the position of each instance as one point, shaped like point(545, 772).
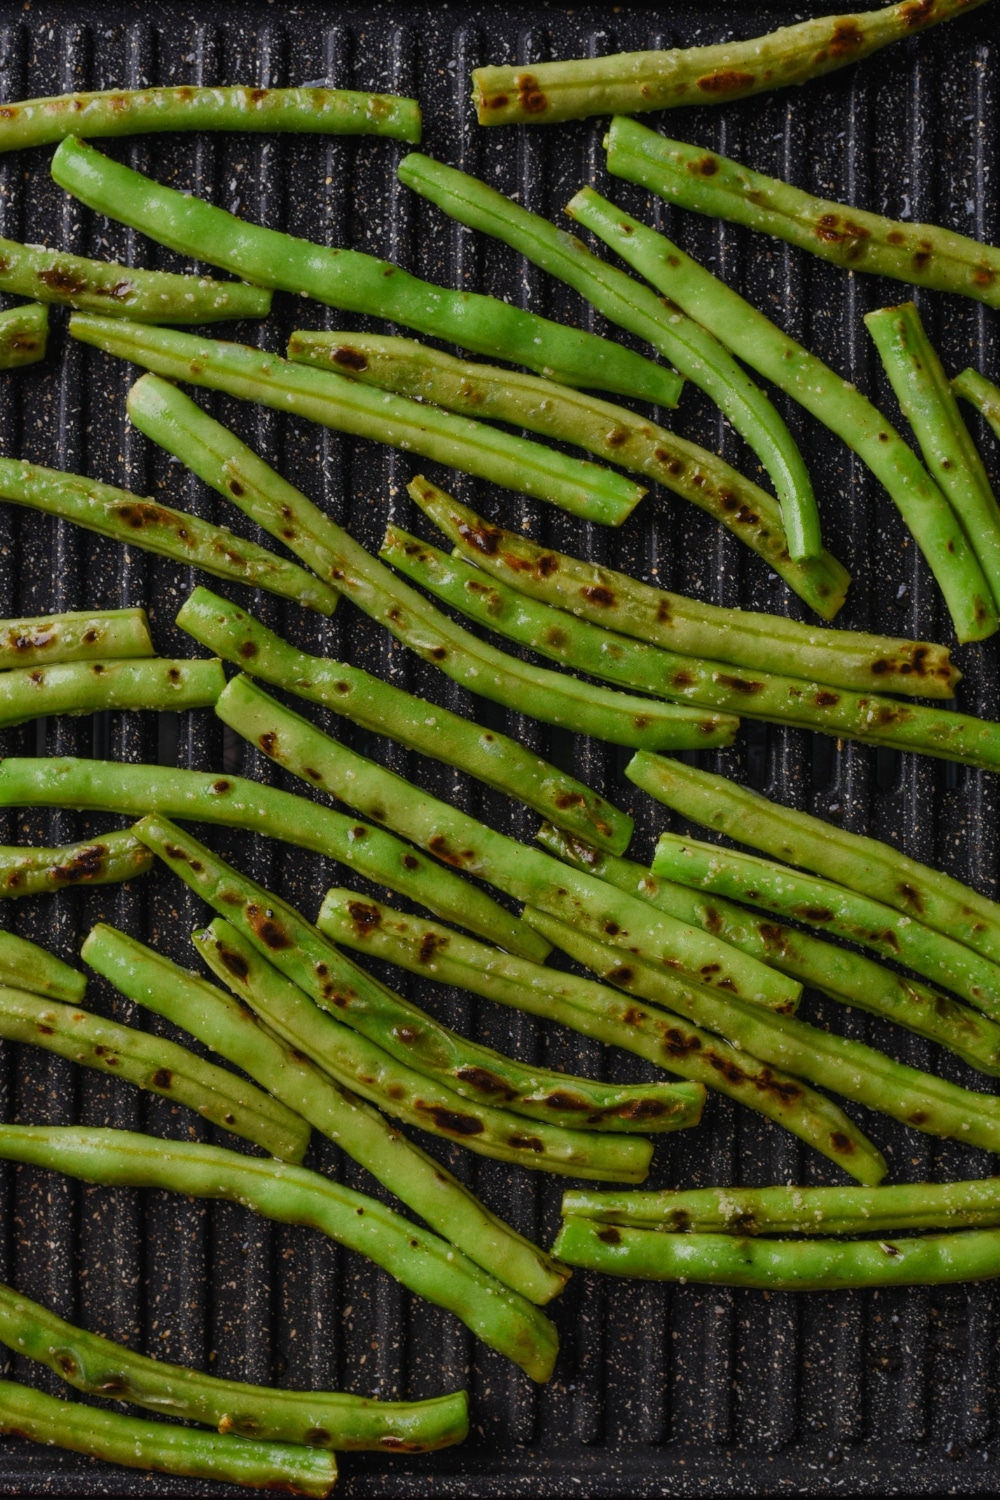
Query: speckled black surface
point(658, 1391)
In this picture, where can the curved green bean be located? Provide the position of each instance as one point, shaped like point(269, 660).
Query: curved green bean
point(76, 635)
point(612, 433)
point(634, 82)
point(355, 282)
point(317, 1419)
point(24, 335)
point(26, 966)
point(492, 757)
point(277, 1190)
point(982, 393)
point(110, 112)
point(157, 528)
point(169, 1448)
point(153, 1063)
point(112, 786)
point(764, 643)
point(86, 687)
point(29, 871)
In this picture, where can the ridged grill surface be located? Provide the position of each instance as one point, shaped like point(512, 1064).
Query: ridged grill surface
point(680, 1390)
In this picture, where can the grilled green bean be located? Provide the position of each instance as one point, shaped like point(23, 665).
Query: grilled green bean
point(115, 856)
point(982, 393)
point(86, 687)
point(26, 966)
point(77, 635)
point(24, 335)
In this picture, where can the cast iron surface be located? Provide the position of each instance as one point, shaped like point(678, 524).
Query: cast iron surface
point(658, 1390)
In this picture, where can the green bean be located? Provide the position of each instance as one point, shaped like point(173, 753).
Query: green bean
point(696, 353)
point(523, 872)
point(487, 754)
point(593, 1009)
point(634, 82)
point(923, 254)
point(776, 1265)
point(39, 122)
point(29, 871)
point(318, 1419)
point(703, 685)
point(24, 334)
point(26, 966)
point(863, 864)
point(747, 638)
point(823, 903)
point(982, 393)
point(355, 282)
point(846, 976)
point(798, 1210)
point(923, 504)
point(86, 687)
point(276, 1190)
point(124, 291)
point(849, 1068)
point(157, 1065)
point(157, 528)
point(609, 432)
point(140, 1444)
point(228, 1027)
point(111, 786)
point(76, 635)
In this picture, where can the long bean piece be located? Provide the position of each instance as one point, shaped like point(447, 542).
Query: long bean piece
point(634, 82)
point(153, 1063)
point(113, 786)
point(848, 977)
point(117, 291)
point(26, 966)
point(863, 864)
point(777, 1265)
point(487, 754)
point(595, 1010)
point(612, 433)
point(523, 872)
point(748, 638)
point(86, 687)
point(692, 177)
point(24, 335)
point(233, 1030)
point(140, 1444)
point(824, 904)
point(157, 528)
point(355, 282)
point(692, 349)
point(707, 685)
point(846, 1067)
point(276, 1190)
point(317, 1419)
point(965, 569)
point(798, 1210)
point(112, 857)
point(110, 112)
point(76, 635)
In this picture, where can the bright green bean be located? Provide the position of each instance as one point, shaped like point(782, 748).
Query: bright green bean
point(24, 335)
point(86, 687)
point(29, 871)
point(982, 393)
point(76, 635)
point(26, 966)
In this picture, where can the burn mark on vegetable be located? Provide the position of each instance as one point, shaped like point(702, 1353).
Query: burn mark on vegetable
point(842, 1143)
point(610, 1235)
point(449, 1120)
point(163, 1079)
point(598, 593)
point(530, 97)
point(525, 1142)
point(486, 1082)
point(234, 962)
point(727, 81)
point(88, 863)
point(429, 945)
point(267, 927)
point(365, 918)
point(740, 684)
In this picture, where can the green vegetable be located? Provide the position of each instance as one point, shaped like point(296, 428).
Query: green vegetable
point(982, 394)
point(318, 1419)
point(112, 786)
point(634, 82)
point(276, 1190)
point(777, 1265)
point(26, 966)
point(38, 122)
point(355, 282)
point(696, 353)
point(747, 638)
point(24, 334)
point(102, 861)
point(917, 376)
point(170, 533)
point(825, 394)
point(154, 1063)
point(523, 872)
point(77, 635)
point(228, 1027)
point(87, 687)
point(708, 183)
point(593, 1009)
point(487, 754)
point(140, 1444)
point(797, 1210)
point(612, 433)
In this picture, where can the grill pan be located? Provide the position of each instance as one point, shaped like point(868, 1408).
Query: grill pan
point(658, 1391)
